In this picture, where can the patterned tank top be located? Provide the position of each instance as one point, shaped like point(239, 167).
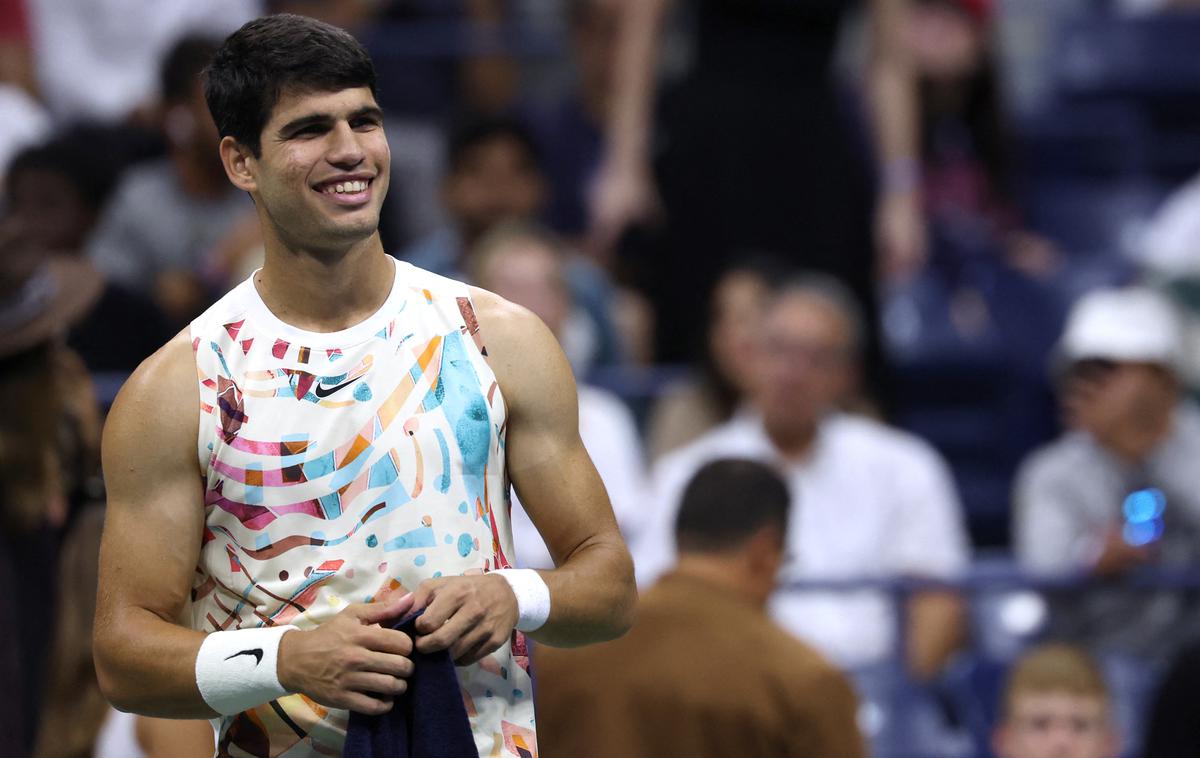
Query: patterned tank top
point(345, 467)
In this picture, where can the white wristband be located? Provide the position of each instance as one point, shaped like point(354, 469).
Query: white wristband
point(236, 670)
point(533, 597)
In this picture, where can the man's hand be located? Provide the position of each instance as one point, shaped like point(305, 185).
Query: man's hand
point(1118, 556)
point(350, 661)
point(470, 616)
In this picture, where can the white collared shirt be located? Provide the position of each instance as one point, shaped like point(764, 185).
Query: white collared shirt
point(869, 501)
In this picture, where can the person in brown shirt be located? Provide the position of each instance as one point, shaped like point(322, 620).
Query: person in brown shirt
point(704, 671)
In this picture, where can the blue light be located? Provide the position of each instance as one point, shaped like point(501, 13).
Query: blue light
point(1141, 533)
point(1144, 505)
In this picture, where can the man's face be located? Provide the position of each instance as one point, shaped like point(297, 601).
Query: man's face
point(806, 364)
point(49, 211)
point(1105, 398)
point(526, 273)
point(1057, 725)
point(323, 170)
point(495, 181)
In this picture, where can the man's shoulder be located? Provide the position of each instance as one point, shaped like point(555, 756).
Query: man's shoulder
point(163, 386)
point(1060, 460)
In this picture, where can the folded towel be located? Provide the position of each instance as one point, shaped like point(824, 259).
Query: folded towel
point(428, 721)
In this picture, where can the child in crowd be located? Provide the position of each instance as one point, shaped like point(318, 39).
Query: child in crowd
point(1056, 705)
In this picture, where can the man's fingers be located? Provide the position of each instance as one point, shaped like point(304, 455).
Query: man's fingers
point(367, 704)
point(377, 613)
point(440, 606)
point(384, 640)
point(392, 665)
point(475, 639)
point(373, 684)
point(447, 634)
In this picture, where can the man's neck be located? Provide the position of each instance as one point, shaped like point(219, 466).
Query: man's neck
point(727, 572)
point(323, 292)
point(794, 444)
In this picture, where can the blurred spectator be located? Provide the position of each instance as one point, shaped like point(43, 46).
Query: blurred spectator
point(22, 118)
point(870, 500)
point(96, 58)
point(49, 443)
point(704, 671)
point(494, 175)
point(1056, 705)
point(1130, 430)
point(761, 150)
point(687, 410)
point(526, 266)
point(572, 130)
point(967, 336)
point(156, 235)
point(967, 159)
point(56, 191)
point(76, 719)
point(1167, 248)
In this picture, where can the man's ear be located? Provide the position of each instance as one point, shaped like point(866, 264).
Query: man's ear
point(239, 164)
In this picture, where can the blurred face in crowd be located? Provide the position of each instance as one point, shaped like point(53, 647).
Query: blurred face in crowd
point(323, 172)
point(1057, 725)
point(495, 181)
point(190, 129)
point(945, 42)
point(1119, 403)
point(48, 212)
point(739, 303)
point(526, 272)
point(806, 365)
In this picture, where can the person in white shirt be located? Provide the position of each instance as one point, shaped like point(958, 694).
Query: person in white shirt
point(868, 500)
point(526, 265)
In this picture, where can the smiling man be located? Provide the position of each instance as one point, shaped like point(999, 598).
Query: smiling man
point(329, 447)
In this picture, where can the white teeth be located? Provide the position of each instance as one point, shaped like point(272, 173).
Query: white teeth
point(347, 187)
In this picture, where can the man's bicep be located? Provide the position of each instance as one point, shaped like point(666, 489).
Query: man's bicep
point(547, 462)
point(155, 512)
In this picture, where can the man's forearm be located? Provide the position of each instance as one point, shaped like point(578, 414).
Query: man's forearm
point(935, 632)
point(592, 596)
point(147, 665)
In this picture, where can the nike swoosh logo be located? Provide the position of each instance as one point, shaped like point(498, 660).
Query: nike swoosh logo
point(323, 391)
point(256, 652)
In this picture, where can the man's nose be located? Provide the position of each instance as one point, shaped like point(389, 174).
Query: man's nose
point(344, 149)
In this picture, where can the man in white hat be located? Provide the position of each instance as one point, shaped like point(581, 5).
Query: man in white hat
point(1130, 431)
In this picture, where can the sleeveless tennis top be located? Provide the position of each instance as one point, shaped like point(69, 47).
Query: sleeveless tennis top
point(345, 467)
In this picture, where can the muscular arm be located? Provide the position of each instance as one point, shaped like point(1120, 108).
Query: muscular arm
point(592, 591)
point(145, 660)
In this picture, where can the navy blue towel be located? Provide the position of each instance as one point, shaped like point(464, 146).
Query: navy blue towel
point(428, 721)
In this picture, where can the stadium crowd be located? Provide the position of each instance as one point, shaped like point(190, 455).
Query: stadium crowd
point(885, 317)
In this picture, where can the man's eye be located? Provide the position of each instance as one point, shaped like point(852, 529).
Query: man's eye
point(364, 123)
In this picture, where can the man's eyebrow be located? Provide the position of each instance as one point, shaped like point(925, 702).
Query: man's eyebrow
point(321, 119)
point(373, 111)
point(309, 120)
